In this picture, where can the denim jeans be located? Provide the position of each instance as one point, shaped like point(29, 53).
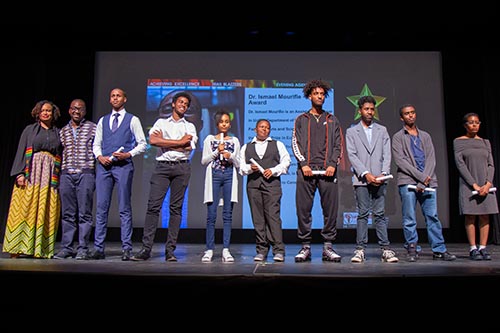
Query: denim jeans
point(222, 181)
point(371, 199)
point(428, 204)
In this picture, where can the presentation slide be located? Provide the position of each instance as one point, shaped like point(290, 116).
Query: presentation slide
point(255, 85)
point(277, 101)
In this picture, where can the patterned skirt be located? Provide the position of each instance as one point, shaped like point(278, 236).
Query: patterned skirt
point(34, 212)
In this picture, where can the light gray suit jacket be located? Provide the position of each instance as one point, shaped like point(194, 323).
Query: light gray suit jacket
point(374, 158)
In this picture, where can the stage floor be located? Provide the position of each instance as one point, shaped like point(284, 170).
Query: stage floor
point(245, 279)
point(189, 263)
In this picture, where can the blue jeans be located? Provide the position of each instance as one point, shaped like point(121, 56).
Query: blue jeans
point(371, 198)
point(427, 201)
point(221, 181)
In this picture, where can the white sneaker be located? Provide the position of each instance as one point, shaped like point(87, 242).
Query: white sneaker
point(389, 256)
point(279, 257)
point(259, 257)
point(226, 256)
point(207, 256)
point(359, 256)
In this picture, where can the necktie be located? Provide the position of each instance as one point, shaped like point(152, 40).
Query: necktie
point(114, 126)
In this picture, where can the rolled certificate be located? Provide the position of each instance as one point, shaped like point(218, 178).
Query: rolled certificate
point(492, 190)
point(384, 177)
point(221, 140)
point(414, 187)
point(112, 158)
point(261, 169)
point(319, 172)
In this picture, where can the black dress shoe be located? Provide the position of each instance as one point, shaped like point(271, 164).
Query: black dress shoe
point(446, 256)
point(412, 257)
point(143, 254)
point(170, 257)
point(412, 252)
point(83, 255)
point(64, 254)
point(97, 255)
point(126, 255)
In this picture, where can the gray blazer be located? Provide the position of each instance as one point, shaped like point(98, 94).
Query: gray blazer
point(374, 158)
point(407, 172)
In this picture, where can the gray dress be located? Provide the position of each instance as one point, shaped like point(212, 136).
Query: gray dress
point(475, 165)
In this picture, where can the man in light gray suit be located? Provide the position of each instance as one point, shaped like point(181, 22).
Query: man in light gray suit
point(369, 150)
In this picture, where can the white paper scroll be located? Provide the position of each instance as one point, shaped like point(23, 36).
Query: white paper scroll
point(414, 187)
point(221, 141)
point(261, 169)
point(384, 177)
point(492, 190)
point(112, 158)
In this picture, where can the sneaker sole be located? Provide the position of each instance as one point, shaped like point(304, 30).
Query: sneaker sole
point(443, 259)
point(390, 261)
point(138, 259)
point(66, 257)
point(302, 260)
point(332, 260)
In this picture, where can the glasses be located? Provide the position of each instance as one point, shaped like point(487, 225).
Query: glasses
point(75, 109)
point(473, 123)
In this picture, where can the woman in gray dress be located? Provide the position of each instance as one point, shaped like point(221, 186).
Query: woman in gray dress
point(475, 166)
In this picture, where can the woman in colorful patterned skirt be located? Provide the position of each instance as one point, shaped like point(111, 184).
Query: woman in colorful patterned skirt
point(34, 210)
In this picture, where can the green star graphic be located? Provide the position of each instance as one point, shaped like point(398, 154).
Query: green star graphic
point(365, 92)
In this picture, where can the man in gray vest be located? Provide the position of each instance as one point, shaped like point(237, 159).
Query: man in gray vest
point(264, 160)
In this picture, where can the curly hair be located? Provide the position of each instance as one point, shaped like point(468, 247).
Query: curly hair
point(56, 113)
point(313, 84)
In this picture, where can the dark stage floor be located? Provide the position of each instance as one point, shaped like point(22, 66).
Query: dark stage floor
point(114, 281)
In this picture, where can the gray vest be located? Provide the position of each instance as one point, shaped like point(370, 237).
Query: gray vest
point(270, 159)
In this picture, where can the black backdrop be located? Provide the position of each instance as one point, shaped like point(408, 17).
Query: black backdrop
point(56, 62)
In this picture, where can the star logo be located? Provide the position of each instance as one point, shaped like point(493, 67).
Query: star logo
point(365, 92)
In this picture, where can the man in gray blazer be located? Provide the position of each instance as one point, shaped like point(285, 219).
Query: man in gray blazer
point(369, 150)
point(415, 159)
